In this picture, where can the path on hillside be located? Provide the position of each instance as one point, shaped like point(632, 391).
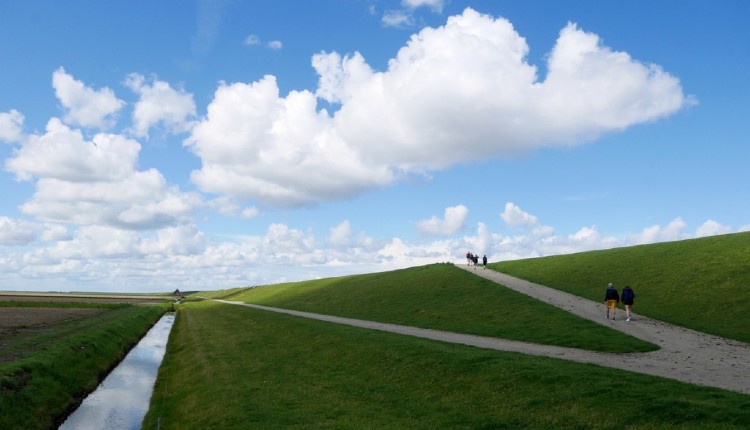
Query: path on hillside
point(685, 355)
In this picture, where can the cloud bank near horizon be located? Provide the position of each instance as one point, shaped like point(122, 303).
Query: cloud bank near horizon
point(98, 258)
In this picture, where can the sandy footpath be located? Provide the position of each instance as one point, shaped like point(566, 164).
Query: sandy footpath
point(684, 354)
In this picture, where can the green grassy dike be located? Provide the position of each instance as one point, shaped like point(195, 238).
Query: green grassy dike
point(38, 389)
point(230, 367)
point(444, 297)
point(702, 284)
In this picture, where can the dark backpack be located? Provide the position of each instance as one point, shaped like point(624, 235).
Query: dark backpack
point(627, 295)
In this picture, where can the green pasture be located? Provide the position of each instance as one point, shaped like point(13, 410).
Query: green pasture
point(703, 284)
point(44, 372)
point(231, 367)
point(444, 297)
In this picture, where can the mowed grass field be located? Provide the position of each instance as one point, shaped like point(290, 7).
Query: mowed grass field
point(233, 367)
point(52, 353)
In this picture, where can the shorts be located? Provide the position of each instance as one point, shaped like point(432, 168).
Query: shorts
point(611, 304)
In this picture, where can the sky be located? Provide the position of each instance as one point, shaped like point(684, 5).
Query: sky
point(148, 146)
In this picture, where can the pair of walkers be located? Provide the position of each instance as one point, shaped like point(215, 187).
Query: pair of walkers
point(612, 298)
point(474, 259)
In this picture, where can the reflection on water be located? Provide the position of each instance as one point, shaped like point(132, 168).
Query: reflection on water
point(121, 400)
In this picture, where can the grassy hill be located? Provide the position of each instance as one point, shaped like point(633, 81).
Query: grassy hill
point(234, 367)
point(443, 297)
point(703, 284)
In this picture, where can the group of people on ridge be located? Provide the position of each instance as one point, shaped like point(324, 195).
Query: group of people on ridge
point(612, 298)
point(474, 259)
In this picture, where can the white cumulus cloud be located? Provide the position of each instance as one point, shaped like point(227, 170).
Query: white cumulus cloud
point(159, 103)
point(712, 228)
point(452, 94)
point(436, 5)
point(95, 182)
point(255, 144)
point(16, 231)
point(453, 221)
point(656, 233)
point(517, 218)
point(63, 153)
point(397, 18)
point(85, 106)
point(11, 126)
point(340, 234)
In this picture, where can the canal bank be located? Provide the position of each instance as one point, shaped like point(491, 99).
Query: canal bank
point(122, 399)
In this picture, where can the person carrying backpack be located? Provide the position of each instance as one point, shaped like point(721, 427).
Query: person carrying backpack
point(628, 295)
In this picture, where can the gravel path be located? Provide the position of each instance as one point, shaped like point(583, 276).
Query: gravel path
point(684, 354)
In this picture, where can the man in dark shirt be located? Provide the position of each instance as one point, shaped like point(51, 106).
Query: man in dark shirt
point(611, 298)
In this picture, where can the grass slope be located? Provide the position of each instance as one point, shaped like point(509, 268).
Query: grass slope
point(231, 367)
point(444, 297)
point(703, 284)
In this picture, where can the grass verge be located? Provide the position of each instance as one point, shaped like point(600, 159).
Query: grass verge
point(444, 297)
point(230, 367)
point(53, 370)
point(700, 283)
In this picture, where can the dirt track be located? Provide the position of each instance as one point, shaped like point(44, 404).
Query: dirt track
point(684, 355)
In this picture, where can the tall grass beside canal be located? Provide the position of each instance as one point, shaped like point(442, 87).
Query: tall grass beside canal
point(231, 367)
point(703, 284)
point(43, 376)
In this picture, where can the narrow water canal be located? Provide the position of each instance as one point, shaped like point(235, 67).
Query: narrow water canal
point(121, 400)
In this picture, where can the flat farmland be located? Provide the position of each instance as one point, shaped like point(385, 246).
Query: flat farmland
point(6, 296)
point(29, 321)
point(56, 348)
point(25, 317)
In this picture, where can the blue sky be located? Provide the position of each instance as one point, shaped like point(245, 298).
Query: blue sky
point(147, 146)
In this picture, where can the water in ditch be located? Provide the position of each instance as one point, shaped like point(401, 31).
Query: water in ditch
point(121, 400)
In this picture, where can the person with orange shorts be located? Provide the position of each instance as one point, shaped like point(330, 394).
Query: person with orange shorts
point(611, 299)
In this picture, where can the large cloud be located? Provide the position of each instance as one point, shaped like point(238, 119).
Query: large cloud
point(457, 93)
point(256, 145)
point(95, 182)
point(63, 153)
point(85, 106)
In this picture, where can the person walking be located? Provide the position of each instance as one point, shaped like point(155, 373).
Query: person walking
point(484, 261)
point(628, 295)
point(611, 298)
